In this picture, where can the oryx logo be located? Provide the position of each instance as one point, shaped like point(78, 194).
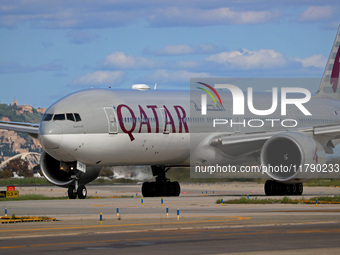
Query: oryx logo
point(204, 97)
point(335, 72)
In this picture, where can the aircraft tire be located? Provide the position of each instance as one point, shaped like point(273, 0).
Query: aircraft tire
point(165, 189)
point(176, 189)
point(299, 188)
point(158, 189)
point(294, 189)
point(82, 192)
point(170, 189)
point(269, 188)
point(273, 188)
point(146, 189)
point(72, 194)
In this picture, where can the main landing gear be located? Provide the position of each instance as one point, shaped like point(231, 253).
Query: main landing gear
point(162, 187)
point(77, 191)
point(273, 188)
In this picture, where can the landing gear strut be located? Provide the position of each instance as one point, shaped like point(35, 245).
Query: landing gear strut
point(162, 186)
point(273, 188)
point(77, 191)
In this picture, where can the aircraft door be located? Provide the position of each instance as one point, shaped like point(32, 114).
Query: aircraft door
point(291, 116)
point(238, 122)
point(111, 120)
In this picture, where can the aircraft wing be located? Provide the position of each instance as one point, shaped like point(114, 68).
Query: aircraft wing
point(330, 131)
point(29, 128)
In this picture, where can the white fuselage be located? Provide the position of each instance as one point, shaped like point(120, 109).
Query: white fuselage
point(157, 127)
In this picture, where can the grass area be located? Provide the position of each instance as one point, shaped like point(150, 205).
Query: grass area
point(245, 200)
point(285, 200)
point(42, 197)
point(322, 183)
point(31, 197)
point(25, 181)
point(335, 198)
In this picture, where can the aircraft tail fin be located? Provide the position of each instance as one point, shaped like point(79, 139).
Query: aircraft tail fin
point(329, 85)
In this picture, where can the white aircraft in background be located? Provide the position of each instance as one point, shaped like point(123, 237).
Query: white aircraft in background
point(86, 130)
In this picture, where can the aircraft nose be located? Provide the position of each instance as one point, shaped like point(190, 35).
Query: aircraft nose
point(50, 135)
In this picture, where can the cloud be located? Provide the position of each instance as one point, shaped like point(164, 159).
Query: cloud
point(185, 64)
point(8, 67)
point(318, 61)
point(81, 37)
point(179, 49)
point(100, 78)
point(246, 59)
point(47, 44)
point(66, 14)
point(316, 13)
point(185, 49)
point(176, 16)
point(79, 14)
point(120, 60)
point(181, 76)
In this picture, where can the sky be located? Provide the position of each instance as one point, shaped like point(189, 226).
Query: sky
point(50, 48)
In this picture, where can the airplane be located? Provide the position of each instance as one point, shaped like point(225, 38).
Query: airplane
point(89, 129)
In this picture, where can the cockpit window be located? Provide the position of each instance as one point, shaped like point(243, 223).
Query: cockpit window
point(59, 116)
point(69, 116)
point(77, 116)
point(48, 117)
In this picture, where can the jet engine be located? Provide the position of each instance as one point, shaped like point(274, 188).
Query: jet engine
point(290, 157)
point(65, 174)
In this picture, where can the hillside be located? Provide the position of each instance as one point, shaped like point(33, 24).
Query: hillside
point(20, 113)
point(12, 143)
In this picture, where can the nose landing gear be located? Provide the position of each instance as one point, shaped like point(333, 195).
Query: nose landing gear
point(79, 191)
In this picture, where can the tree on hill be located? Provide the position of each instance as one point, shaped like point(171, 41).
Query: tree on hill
point(6, 174)
point(19, 166)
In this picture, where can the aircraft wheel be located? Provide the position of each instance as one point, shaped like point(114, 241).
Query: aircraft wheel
point(269, 188)
point(165, 189)
point(147, 189)
point(170, 188)
point(294, 189)
point(176, 189)
point(82, 192)
point(72, 194)
point(299, 188)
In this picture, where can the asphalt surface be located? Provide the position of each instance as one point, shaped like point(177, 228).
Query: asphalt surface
point(202, 226)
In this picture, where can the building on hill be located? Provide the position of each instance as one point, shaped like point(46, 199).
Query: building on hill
point(27, 108)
